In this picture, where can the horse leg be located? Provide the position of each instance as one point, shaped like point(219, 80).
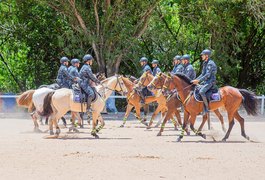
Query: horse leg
point(166, 118)
point(184, 125)
point(163, 113)
point(73, 125)
point(35, 122)
point(177, 114)
point(77, 115)
point(146, 111)
point(138, 115)
point(95, 116)
point(128, 110)
point(51, 126)
point(231, 124)
point(102, 123)
point(64, 121)
point(221, 118)
point(46, 121)
point(204, 119)
point(158, 109)
point(192, 122)
point(241, 122)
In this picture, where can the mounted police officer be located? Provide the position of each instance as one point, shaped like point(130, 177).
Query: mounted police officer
point(145, 68)
point(156, 69)
point(188, 68)
point(207, 77)
point(63, 77)
point(178, 67)
point(86, 75)
point(73, 70)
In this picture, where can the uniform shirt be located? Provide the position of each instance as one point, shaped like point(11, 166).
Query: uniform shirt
point(63, 77)
point(73, 71)
point(189, 71)
point(209, 71)
point(146, 68)
point(86, 74)
point(178, 68)
point(156, 70)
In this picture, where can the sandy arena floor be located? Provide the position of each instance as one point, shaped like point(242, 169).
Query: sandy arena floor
point(130, 153)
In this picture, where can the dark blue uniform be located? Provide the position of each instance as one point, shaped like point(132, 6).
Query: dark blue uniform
point(73, 71)
point(86, 75)
point(189, 71)
point(156, 70)
point(178, 68)
point(146, 68)
point(208, 76)
point(63, 77)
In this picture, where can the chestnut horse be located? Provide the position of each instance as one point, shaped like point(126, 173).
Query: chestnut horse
point(231, 99)
point(161, 100)
point(173, 103)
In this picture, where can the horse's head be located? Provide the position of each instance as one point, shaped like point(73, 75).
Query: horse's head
point(168, 84)
point(157, 82)
point(145, 79)
point(120, 86)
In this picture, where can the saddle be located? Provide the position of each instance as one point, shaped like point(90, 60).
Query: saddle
point(212, 94)
point(79, 96)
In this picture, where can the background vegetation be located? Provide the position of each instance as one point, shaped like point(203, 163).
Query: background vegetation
point(34, 34)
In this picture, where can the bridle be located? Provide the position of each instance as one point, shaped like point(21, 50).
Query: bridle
point(145, 76)
point(118, 83)
point(159, 82)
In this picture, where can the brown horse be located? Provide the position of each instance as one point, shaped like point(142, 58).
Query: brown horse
point(231, 99)
point(134, 100)
point(162, 107)
point(173, 102)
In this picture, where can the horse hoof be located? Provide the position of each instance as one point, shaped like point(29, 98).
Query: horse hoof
point(145, 123)
point(37, 130)
point(176, 129)
point(81, 126)
point(188, 133)
point(224, 140)
point(96, 136)
point(157, 125)
point(122, 125)
point(148, 127)
point(51, 133)
point(76, 130)
point(224, 130)
point(159, 134)
point(204, 136)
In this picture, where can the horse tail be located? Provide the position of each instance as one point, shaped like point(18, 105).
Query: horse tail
point(250, 102)
point(25, 100)
point(47, 105)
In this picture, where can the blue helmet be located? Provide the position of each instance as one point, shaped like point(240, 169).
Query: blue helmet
point(177, 57)
point(186, 56)
point(143, 59)
point(206, 52)
point(64, 59)
point(73, 61)
point(87, 57)
point(155, 61)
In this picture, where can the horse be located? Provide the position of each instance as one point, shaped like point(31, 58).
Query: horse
point(231, 100)
point(33, 100)
point(173, 102)
point(57, 103)
point(161, 100)
point(134, 100)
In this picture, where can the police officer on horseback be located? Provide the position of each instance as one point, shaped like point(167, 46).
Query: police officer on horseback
point(188, 68)
point(73, 70)
point(86, 75)
point(156, 69)
point(178, 67)
point(145, 68)
point(63, 77)
point(207, 77)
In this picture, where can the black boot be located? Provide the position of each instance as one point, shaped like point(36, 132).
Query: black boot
point(206, 105)
point(142, 97)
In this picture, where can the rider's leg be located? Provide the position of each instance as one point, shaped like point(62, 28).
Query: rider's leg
point(202, 92)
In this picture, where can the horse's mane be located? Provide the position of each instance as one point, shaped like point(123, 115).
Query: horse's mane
point(131, 78)
point(183, 77)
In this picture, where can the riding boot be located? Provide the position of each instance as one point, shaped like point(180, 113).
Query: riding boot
point(142, 97)
point(206, 105)
point(89, 100)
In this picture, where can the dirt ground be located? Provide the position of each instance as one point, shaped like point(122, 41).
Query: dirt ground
point(130, 153)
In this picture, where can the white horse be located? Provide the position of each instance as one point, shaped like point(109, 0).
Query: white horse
point(57, 103)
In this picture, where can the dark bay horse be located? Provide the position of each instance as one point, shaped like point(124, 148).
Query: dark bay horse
point(231, 100)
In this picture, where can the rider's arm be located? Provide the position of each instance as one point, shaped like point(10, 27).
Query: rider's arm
point(92, 77)
point(66, 73)
point(208, 73)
